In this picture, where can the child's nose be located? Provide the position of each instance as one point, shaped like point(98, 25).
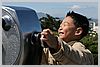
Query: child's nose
point(60, 28)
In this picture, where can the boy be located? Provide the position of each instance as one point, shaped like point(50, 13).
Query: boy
point(66, 49)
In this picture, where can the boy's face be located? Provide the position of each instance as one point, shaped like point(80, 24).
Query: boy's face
point(67, 29)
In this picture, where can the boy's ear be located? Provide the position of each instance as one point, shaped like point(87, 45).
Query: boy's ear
point(79, 31)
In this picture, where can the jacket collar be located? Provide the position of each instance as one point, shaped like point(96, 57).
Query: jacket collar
point(71, 43)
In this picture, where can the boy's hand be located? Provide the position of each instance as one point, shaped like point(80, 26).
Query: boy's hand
point(48, 37)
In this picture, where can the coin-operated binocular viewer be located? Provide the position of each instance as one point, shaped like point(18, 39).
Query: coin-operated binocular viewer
point(16, 23)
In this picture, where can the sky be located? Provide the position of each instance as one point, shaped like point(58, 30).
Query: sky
point(60, 9)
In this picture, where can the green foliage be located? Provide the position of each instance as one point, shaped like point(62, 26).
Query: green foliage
point(50, 22)
point(91, 42)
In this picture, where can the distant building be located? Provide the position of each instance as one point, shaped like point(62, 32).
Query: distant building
point(93, 27)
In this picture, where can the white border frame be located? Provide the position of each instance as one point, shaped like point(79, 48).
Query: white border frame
point(50, 65)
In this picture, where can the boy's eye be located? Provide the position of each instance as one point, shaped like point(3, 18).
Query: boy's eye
point(66, 24)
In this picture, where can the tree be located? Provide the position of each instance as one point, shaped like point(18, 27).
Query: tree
point(50, 22)
point(91, 42)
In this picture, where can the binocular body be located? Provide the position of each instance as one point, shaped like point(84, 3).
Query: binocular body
point(18, 25)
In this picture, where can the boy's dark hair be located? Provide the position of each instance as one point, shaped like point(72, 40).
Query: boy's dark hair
point(80, 21)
